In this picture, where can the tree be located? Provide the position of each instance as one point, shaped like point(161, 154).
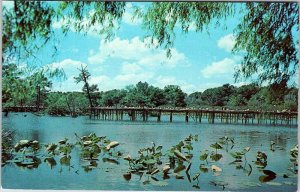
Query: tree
point(175, 96)
point(266, 36)
point(27, 26)
point(218, 96)
point(112, 97)
point(41, 83)
point(22, 26)
point(76, 102)
point(157, 96)
point(194, 99)
point(84, 76)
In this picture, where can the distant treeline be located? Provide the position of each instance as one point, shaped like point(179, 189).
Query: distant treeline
point(142, 94)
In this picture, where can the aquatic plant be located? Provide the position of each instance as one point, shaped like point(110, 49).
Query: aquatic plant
point(226, 141)
point(216, 146)
point(294, 158)
point(261, 160)
point(268, 176)
point(203, 156)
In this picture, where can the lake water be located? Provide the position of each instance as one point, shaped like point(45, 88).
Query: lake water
point(135, 135)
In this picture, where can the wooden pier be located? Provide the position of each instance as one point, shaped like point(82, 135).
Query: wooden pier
point(196, 115)
point(22, 109)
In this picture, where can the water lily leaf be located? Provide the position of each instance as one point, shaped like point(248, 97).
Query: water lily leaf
point(216, 157)
point(127, 176)
point(180, 155)
point(179, 168)
point(93, 164)
point(166, 176)
point(51, 161)
point(179, 176)
point(169, 153)
point(158, 148)
point(180, 144)
point(203, 168)
point(87, 168)
point(196, 186)
point(188, 147)
point(266, 178)
point(261, 164)
point(262, 156)
point(269, 172)
point(216, 146)
point(204, 156)
point(65, 160)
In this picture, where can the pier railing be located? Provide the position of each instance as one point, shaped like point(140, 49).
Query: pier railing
point(197, 115)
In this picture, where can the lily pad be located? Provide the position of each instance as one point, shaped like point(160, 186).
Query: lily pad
point(180, 155)
point(179, 168)
point(266, 178)
point(204, 156)
point(216, 157)
point(127, 176)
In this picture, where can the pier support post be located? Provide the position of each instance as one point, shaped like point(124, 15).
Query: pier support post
point(186, 116)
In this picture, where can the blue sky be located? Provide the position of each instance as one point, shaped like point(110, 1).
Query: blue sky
point(199, 60)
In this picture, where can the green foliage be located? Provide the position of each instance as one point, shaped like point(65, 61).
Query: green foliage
point(175, 96)
point(265, 34)
point(160, 18)
point(218, 96)
point(26, 87)
point(105, 14)
point(56, 104)
point(90, 90)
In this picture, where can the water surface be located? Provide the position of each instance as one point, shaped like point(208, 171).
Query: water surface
point(135, 135)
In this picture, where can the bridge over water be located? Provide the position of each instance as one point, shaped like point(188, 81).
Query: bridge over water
point(197, 115)
point(187, 114)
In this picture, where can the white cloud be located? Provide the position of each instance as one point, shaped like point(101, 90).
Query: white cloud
point(162, 81)
point(225, 66)
point(70, 68)
point(137, 51)
point(227, 42)
point(128, 68)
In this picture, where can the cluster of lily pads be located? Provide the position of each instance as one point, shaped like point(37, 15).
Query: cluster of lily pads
point(240, 161)
point(30, 153)
point(151, 163)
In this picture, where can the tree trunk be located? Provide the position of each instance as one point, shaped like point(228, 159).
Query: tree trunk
point(87, 88)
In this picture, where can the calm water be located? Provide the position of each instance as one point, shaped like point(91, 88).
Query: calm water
point(135, 135)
